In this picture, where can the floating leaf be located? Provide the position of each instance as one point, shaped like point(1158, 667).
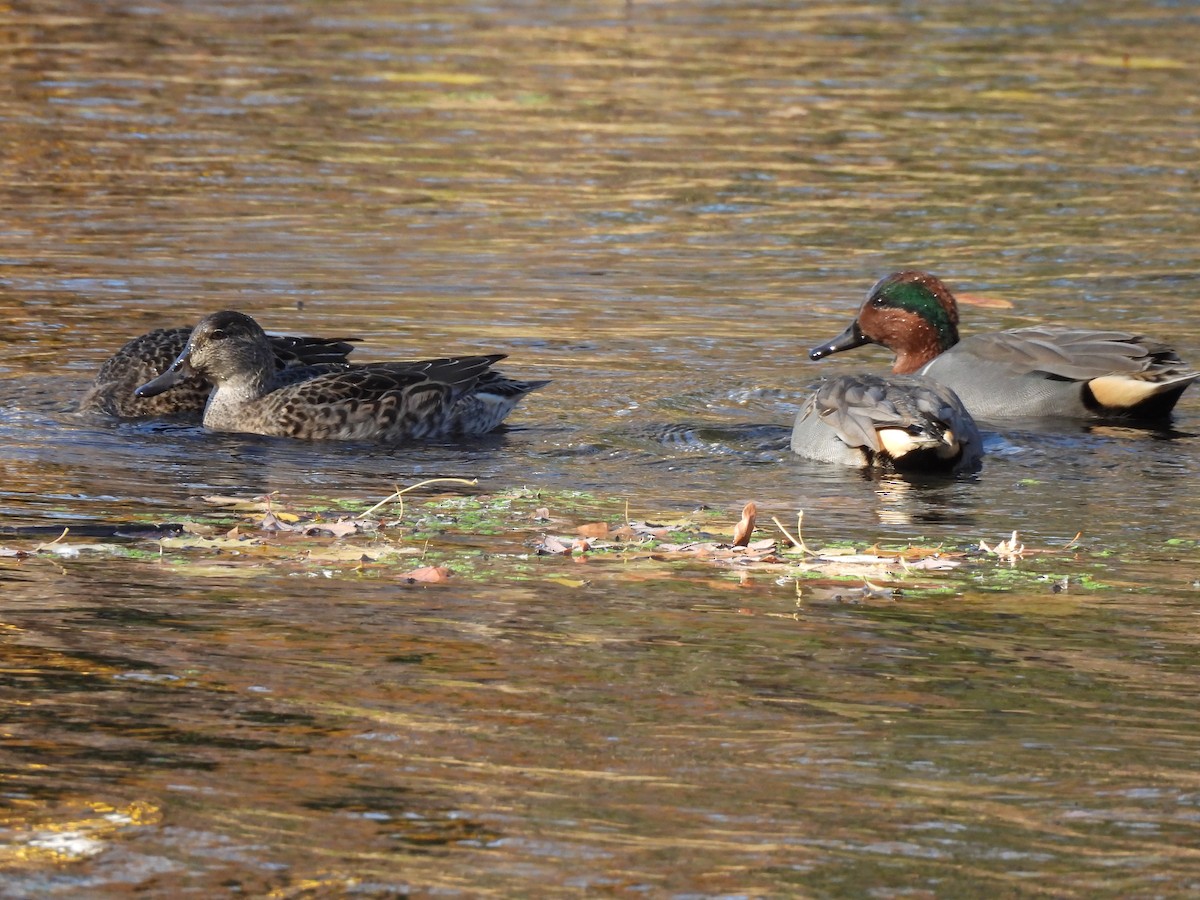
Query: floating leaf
point(553, 546)
point(241, 504)
point(427, 575)
point(273, 522)
point(1009, 549)
point(1126, 61)
point(567, 581)
point(656, 531)
point(934, 563)
point(745, 528)
point(349, 553)
point(462, 78)
point(340, 528)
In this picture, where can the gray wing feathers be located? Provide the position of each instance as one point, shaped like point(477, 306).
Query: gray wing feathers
point(1076, 354)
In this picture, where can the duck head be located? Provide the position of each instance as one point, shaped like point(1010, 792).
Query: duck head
point(224, 346)
point(911, 313)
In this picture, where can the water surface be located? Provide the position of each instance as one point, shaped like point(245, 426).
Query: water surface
point(660, 206)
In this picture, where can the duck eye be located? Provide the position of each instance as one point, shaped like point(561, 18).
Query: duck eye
point(217, 334)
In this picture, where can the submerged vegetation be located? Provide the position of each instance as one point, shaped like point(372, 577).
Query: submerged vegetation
point(520, 534)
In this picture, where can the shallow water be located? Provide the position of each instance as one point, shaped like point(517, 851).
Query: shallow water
point(660, 206)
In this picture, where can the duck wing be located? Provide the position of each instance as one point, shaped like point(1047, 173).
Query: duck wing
point(384, 401)
point(302, 350)
point(914, 421)
point(857, 407)
point(1076, 354)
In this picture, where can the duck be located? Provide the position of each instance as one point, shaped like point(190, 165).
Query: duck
point(1041, 371)
point(111, 392)
point(907, 423)
point(383, 402)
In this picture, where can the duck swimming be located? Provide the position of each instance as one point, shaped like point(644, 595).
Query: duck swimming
point(386, 402)
point(139, 360)
point(1039, 371)
point(908, 423)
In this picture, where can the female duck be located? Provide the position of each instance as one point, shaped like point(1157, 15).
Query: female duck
point(1040, 371)
point(142, 358)
point(909, 423)
point(387, 402)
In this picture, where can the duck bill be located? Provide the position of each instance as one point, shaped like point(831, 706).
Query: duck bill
point(849, 339)
point(180, 370)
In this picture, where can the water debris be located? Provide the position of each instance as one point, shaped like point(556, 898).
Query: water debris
point(289, 522)
point(1011, 549)
point(798, 540)
point(398, 494)
point(745, 528)
point(427, 575)
point(553, 546)
point(875, 591)
point(50, 544)
point(239, 504)
point(485, 536)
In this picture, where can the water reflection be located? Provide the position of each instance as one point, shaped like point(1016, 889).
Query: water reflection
point(660, 207)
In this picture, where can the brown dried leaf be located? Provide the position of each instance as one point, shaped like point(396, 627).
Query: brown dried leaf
point(745, 528)
point(427, 575)
point(272, 522)
point(593, 530)
point(623, 534)
point(238, 503)
point(340, 528)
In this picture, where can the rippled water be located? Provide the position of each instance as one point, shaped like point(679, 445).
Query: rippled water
point(660, 206)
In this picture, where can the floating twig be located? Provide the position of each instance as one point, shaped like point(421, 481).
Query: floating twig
point(798, 540)
point(399, 493)
point(41, 547)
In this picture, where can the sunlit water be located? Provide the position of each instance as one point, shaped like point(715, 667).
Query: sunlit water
point(660, 206)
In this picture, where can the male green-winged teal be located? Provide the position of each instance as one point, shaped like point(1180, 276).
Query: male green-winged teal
point(908, 423)
point(1040, 371)
point(145, 357)
point(387, 402)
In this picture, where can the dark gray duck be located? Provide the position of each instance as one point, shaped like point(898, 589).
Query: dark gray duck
point(909, 423)
point(386, 402)
point(143, 358)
